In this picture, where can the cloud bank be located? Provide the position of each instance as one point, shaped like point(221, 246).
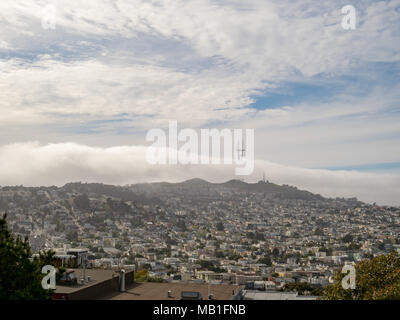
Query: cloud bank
point(33, 164)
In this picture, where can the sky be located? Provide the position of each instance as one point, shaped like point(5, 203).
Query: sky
point(77, 100)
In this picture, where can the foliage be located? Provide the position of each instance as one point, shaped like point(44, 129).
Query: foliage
point(220, 226)
point(181, 225)
point(376, 279)
point(347, 238)
point(234, 256)
point(319, 232)
point(60, 273)
point(141, 274)
point(255, 236)
point(266, 260)
point(82, 202)
point(302, 288)
point(144, 276)
point(155, 279)
point(20, 275)
point(72, 235)
point(210, 266)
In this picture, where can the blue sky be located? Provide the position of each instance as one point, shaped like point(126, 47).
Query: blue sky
point(323, 88)
point(380, 167)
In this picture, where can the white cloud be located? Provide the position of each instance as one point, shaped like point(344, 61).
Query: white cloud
point(50, 88)
point(81, 68)
point(267, 36)
point(57, 164)
point(63, 97)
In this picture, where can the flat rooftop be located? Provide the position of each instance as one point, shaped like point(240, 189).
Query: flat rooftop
point(273, 295)
point(97, 276)
point(159, 291)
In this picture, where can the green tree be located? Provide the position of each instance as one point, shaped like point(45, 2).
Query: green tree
point(266, 260)
point(302, 288)
point(72, 236)
point(181, 224)
point(144, 276)
point(82, 202)
point(347, 238)
point(376, 279)
point(220, 226)
point(20, 275)
point(319, 232)
point(259, 236)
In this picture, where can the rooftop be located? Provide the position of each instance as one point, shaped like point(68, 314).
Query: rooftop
point(96, 275)
point(272, 295)
point(159, 291)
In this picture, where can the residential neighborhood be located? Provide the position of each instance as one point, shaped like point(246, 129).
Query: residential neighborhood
point(258, 235)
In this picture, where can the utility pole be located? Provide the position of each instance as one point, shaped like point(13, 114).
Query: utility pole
point(84, 268)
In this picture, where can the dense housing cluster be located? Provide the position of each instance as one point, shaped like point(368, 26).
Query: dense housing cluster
point(198, 231)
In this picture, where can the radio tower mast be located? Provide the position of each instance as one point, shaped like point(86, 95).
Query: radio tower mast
point(241, 151)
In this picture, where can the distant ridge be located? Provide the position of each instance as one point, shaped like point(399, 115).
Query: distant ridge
point(101, 189)
point(196, 189)
point(279, 191)
point(267, 188)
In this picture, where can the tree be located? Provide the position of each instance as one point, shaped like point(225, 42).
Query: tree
point(72, 236)
point(347, 238)
point(266, 260)
point(302, 288)
point(143, 276)
point(205, 264)
point(319, 232)
point(376, 279)
point(275, 252)
point(21, 276)
point(259, 236)
point(181, 225)
point(234, 256)
point(82, 202)
point(250, 235)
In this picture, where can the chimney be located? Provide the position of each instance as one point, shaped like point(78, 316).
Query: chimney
point(122, 280)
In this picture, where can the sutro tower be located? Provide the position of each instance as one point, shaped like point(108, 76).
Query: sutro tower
point(241, 151)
